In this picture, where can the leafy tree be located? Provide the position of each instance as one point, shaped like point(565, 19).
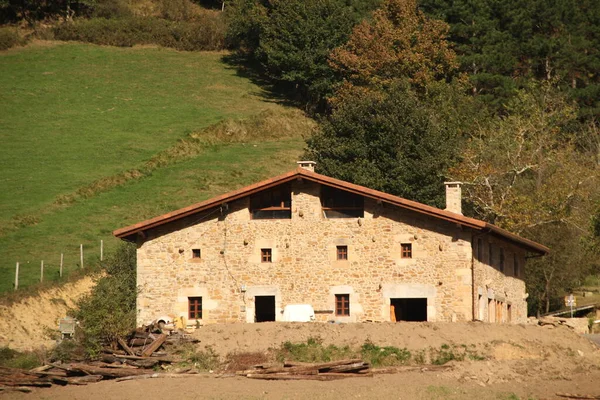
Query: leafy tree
point(389, 140)
point(398, 42)
point(523, 173)
point(291, 40)
point(522, 170)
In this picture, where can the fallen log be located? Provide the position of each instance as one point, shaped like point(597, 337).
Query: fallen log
point(578, 396)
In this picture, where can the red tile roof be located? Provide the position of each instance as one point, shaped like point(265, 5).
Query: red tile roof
point(473, 223)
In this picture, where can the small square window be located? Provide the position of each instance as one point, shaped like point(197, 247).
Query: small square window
point(406, 250)
point(342, 305)
point(195, 253)
point(342, 252)
point(194, 307)
point(266, 255)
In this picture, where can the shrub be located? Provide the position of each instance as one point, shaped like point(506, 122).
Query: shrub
point(384, 356)
point(9, 37)
point(109, 310)
point(203, 360)
point(207, 32)
point(312, 351)
point(68, 350)
point(15, 359)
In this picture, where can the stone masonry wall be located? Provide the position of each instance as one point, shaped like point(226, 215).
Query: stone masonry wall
point(499, 292)
point(304, 270)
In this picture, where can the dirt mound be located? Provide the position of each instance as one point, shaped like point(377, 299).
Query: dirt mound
point(29, 324)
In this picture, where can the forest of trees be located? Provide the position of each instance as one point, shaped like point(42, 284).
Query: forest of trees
point(501, 95)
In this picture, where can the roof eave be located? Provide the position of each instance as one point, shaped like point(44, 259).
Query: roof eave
point(128, 232)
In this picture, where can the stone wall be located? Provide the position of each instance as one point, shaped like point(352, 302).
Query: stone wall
point(499, 291)
point(304, 268)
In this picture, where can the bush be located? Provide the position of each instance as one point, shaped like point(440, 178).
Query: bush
point(15, 359)
point(203, 360)
point(384, 356)
point(9, 37)
point(312, 351)
point(207, 32)
point(68, 350)
point(109, 310)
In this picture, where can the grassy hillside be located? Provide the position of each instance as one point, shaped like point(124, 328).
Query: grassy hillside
point(94, 138)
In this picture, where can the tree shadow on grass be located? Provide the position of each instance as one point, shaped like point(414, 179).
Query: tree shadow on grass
point(270, 92)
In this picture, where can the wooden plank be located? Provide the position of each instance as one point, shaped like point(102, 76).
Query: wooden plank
point(286, 377)
point(38, 383)
point(154, 345)
point(346, 375)
point(123, 344)
point(15, 389)
point(308, 368)
point(106, 372)
point(578, 396)
point(354, 367)
point(154, 376)
point(159, 359)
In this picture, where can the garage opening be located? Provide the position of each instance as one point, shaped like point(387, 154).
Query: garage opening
point(264, 308)
point(408, 309)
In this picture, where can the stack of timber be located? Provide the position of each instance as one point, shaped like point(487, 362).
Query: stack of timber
point(135, 360)
point(319, 372)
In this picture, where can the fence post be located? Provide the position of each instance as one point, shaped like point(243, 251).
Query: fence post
point(17, 276)
point(42, 272)
point(81, 255)
point(61, 265)
point(102, 250)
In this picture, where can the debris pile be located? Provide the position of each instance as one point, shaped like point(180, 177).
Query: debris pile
point(134, 360)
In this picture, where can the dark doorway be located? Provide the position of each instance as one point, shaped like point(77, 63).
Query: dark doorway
point(264, 308)
point(409, 309)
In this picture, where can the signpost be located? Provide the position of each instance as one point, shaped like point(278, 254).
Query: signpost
point(570, 301)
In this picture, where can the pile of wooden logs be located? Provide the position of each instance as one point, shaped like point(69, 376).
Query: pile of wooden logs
point(319, 372)
point(138, 355)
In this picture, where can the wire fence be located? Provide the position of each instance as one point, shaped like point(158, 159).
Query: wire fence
point(61, 265)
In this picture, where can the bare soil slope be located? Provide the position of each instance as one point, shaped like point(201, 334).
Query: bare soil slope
point(28, 324)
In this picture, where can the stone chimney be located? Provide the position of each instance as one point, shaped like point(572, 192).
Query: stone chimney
point(453, 197)
point(309, 165)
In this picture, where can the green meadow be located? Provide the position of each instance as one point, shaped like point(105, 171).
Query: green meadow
point(95, 138)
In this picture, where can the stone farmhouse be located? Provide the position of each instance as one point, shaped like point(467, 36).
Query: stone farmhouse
point(354, 254)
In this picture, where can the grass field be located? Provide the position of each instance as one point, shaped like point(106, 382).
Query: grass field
point(75, 114)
